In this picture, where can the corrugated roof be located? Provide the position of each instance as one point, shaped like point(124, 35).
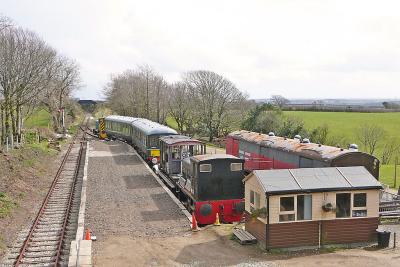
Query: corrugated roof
point(212, 156)
point(309, 150)
point(316, 179)
point(175, 139)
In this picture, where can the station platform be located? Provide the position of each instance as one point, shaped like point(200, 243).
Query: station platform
point(125, 200)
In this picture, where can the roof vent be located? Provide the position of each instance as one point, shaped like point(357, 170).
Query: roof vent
point(297, 136)
point(271, 134)
point(353, 147)
point(306, 141)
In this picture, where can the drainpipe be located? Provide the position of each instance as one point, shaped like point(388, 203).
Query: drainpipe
point(267, 227)
point(319, 234)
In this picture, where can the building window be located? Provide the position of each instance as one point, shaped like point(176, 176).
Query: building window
point(254, 201)
point(287, 210)
point(252, 197)
point(343, 201)
point(359, 205)
point(205, 168)
point(304, 207)
point(287, 204)
point(235, 167)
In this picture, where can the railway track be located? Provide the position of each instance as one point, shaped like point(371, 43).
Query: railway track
point(47, 242)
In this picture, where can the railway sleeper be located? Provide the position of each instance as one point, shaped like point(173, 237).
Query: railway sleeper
point(40, 254)
point(47, 238)
point(46, 260)
point(54, 222)
point(39, 234)
point(41, 248)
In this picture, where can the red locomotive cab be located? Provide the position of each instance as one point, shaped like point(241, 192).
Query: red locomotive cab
point(216, 187)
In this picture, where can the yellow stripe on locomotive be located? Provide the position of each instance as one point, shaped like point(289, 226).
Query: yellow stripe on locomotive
point(154, 152)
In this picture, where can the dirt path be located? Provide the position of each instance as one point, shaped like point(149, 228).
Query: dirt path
point(213, 247)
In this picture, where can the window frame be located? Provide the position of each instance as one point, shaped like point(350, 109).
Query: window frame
point(294, 211)
point(256, 204)
point(236, 164)
point(352, 208)
point(364, 208)
point(205, 164)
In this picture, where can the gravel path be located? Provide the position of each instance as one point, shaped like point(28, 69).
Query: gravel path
point(123, 198)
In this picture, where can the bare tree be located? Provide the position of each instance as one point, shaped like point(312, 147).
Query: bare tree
point(64, 78)
point(5, 22)
point(179, 105)
point(24, 58)
point(390, 148)
point(370, 136)
point(279, 101)
point(213, 95)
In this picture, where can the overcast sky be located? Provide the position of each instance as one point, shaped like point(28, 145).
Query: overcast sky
point(299, 49)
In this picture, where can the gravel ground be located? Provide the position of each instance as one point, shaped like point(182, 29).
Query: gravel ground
point(123, 198)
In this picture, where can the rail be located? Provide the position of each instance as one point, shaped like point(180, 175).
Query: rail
point(46, 207)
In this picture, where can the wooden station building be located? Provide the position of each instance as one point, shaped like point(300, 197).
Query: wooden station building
point(312, 207)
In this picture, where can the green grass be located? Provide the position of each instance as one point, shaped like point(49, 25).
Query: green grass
point(6, 205)
point(42, 147)
point(386, 175)
point(40, 118)
point(346, 124)
point(172, 123)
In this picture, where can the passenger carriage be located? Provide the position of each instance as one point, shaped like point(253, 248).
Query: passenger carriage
point(141, 133)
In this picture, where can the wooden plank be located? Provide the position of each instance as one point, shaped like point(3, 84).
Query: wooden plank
point(245, 238)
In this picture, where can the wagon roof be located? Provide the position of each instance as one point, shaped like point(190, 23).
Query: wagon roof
point(123, 119)
point(150, 127)
point(286, 181)
point(205, 157)
point(179, 139)
point(309, 150)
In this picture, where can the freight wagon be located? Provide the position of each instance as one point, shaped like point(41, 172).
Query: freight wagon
point(265, 152)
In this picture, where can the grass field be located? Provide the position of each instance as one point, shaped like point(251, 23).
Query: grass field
point(346, 124)
point(40, 118)
point(386, 174)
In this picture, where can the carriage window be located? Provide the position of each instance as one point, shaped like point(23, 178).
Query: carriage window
point(205, 167)
point(236, 167)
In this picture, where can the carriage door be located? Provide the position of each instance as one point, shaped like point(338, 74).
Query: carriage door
point(232, 146)
point(306, 162)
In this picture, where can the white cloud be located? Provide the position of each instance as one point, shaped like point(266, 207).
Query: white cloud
point(295, 48)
